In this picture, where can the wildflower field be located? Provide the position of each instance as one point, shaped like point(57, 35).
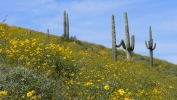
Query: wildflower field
point(36, 67)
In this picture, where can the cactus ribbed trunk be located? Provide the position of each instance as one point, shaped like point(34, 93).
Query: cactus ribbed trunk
point(74, 39)
point(47, 34)
point(129, 54)
point(114, 51)
point(127, 31)
point(151, 57)
point(67, 26)
point(64, 24)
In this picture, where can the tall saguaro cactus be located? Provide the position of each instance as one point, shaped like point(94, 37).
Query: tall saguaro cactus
point(150, 46)
point(114, 51)
point(66, 25)
point(129, 48)
point(67, 32)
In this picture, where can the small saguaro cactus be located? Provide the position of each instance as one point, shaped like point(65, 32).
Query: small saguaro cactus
point(150, 46)
point(129, 48)
point(75, 39)
point(47, 34)
point(66, 25)
point(28, 31)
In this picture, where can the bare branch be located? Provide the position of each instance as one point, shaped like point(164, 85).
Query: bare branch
point(4, 19)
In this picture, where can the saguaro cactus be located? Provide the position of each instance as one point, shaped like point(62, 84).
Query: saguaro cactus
point(75, 39)
point(150, 46)
point(129, 48)
point(66, 25)
point(47, 34)
point(67, 29)
point(114, 51)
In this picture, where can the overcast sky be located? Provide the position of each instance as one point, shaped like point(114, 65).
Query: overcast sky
point(90, 20)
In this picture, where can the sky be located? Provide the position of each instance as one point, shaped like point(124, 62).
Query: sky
point(90, 20)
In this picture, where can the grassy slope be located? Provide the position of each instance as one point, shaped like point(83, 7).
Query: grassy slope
point(56, 69)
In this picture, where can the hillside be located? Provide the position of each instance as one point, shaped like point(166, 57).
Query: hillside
point(36, 66)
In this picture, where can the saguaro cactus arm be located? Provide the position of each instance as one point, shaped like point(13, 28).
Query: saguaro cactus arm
point(147, 46)
point(121, 43)
point(154, 46)
point(150, 45)
point(132, 42)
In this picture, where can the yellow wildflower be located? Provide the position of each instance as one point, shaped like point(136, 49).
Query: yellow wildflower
point(39, 96)
point(49, 72)
point(98, 80)
point(0, 50)
point(48, 55)
point(64, 58)
point(71, 82)
point(28, 63)
point(171, 87)
point(121, 91)
point(27, 41)
point(72, 74)
point(29, 94)
point(128, 99)
point(3, 92)
point(21, 57)
point(34, 97)
point(88, 83)
point(106, 87)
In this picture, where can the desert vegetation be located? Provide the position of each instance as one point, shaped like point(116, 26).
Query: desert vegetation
point(34, 67)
